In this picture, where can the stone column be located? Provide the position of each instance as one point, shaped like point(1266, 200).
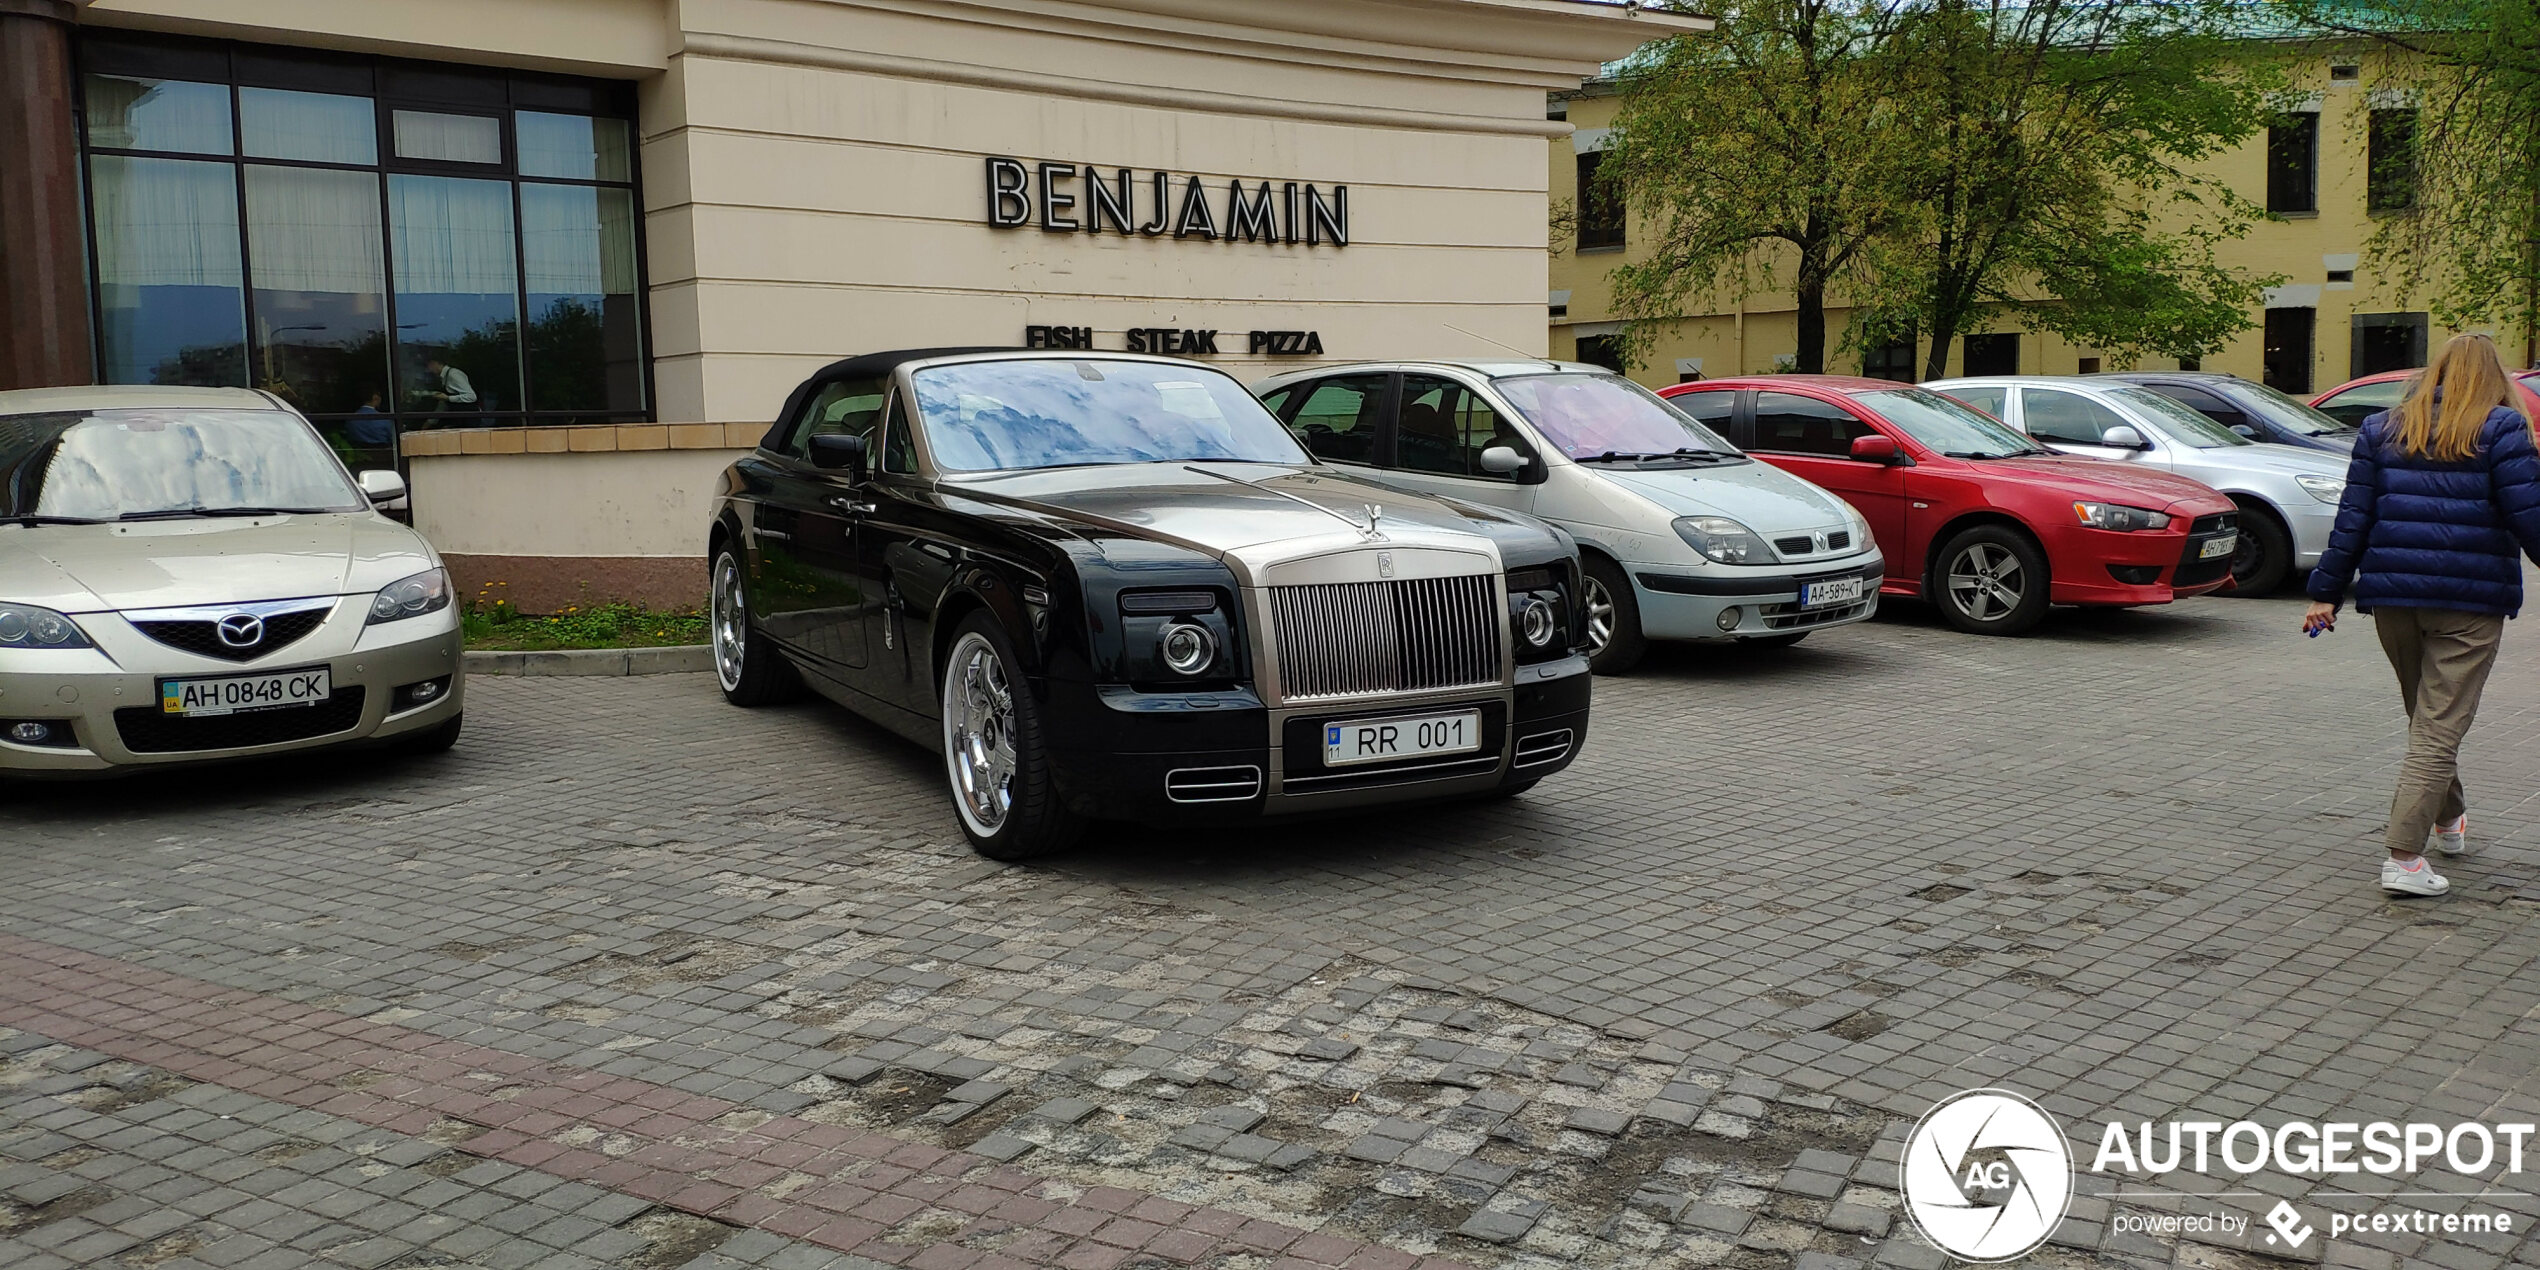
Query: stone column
point(43, 252)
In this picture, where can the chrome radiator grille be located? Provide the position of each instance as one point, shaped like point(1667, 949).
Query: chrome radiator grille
point(1345, 638)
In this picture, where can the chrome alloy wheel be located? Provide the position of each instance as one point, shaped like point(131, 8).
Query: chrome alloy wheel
point(730, 620)
point(1986, 582)
point(979, 734)
point(1600, 613)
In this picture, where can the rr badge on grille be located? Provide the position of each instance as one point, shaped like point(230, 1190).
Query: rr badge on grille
point(1384, 564)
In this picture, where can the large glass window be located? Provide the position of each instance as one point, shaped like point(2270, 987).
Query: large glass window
point(384, 244)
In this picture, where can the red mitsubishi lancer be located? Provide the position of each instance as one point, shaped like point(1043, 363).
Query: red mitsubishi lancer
point(1970, 514)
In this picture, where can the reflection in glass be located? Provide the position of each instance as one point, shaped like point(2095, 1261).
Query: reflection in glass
point(585, 349)
point(100, 465)
point(275, 123)
point(168, 272)
point(125, 113)
point(439, 138)
point(577, 147)
point(321, 309)
point(458, 321)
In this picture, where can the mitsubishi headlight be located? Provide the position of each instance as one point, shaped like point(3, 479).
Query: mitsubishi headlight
point(26, 626)
point(2327, 489)
point(425, 592)
point(1723, 540)
point(2119, 517)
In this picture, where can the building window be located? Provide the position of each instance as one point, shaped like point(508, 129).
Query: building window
point(2087, 366)
point(2191, 363)
point(1891, 360)
point(2293, 146)
point(385, 245)
point(2391, 161)
point(1994, 354)
point(1601, 350)
point(2288, 349)
point(1600, 207)
point(2387, 341)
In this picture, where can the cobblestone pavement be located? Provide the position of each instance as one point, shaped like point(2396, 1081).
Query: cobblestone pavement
point(637, 979)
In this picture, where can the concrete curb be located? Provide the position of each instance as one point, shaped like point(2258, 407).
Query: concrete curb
point(675, 660)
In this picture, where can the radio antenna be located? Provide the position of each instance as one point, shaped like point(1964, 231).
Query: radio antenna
point(1532, 357)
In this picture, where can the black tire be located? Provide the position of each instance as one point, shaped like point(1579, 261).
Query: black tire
point(2264, 557)
point(746, 665)
point(1777, 641)
point(2003, 583)
point(1009, 810)
point(437, 741)
point(1612, 606)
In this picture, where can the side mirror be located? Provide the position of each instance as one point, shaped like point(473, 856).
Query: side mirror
point(2245, 430)
point(381, 486)
point(838, 451)
point(1502, 460)
point(1874, 448)
point(2123, 436)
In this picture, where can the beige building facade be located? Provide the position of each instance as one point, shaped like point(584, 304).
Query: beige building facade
point(1250, 185)
point(2331, 319)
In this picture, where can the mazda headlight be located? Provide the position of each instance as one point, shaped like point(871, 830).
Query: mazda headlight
point(2119, 517)
point(26, 626)
point(2327, 489)
point(425, 592)
point(1723, 540)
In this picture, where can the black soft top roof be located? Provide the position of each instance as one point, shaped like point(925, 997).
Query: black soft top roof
point(862, 366)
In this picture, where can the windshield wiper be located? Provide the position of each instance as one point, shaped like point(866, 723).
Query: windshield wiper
point(1643, 456)
point(31, 520)
point(187, 513)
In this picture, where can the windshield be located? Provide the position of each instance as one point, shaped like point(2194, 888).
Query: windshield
point(1018, 415)
point(123, 464)
point(1588, 415)
point(2295, 414)
point(2176, 420)
point(1945, 425)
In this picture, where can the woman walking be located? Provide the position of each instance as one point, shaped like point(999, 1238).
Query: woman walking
point(2439, 492)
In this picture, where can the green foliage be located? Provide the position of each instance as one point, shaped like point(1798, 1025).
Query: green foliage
point(1938, 162)
point(2469, 238)
point(497, 624)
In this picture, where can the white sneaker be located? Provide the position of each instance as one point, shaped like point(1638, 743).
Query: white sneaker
point(2416, 879)
point(2453, 839)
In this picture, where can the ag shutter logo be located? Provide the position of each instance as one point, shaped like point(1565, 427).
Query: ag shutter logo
point(1988, 1175)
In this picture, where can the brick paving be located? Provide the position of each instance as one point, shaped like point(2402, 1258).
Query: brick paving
point(1676, 1007)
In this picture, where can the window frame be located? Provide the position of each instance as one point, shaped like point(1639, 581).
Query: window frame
point(2390, 160)
point(2029, 392)
point(390, 84)
point(2285, 171)
point(1753, 408)
point(1388, 392)
point(1609, 235)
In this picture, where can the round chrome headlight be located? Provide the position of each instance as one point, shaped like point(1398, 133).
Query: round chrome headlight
point(1535, 623)
point(1187, 648)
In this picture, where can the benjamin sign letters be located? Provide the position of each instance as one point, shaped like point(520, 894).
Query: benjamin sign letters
point(1157, 203)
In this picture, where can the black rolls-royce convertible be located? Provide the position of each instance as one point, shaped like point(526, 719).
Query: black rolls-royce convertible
point(1114, 587)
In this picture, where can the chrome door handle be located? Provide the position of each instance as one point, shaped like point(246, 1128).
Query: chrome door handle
point(777, 534)
point(846, 504)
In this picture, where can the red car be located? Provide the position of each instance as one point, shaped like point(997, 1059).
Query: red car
point(1971, 514)
point(2351, 402)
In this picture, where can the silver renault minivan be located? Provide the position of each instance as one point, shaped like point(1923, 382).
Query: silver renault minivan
point(1682, 536)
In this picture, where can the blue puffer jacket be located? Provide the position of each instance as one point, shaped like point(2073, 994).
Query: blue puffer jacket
point(2417, 532)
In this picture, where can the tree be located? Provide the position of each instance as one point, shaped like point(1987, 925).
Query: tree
point(1768, 138)
point(1936, 161)
point(2467, 235)
point(2054, 182)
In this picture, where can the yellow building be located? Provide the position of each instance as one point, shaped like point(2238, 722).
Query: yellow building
point(2331, 320)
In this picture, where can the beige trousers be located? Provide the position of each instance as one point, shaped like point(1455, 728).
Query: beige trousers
point(2442, 656)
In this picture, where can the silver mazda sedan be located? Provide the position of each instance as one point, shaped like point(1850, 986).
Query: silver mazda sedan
point(190, 574)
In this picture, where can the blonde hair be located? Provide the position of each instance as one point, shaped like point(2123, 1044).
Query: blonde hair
point(2469, 378)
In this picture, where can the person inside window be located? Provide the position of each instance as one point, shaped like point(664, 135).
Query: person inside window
point(449, 385)
point(369, 428)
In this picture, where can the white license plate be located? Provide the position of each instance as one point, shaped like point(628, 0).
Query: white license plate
point(1403, 736)
point(1826, 594)
point(244, 694)
point(2222, 546)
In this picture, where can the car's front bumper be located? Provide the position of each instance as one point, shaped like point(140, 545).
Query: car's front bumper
point(1680, 603)
point(1225, 756)
point(108, 696)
